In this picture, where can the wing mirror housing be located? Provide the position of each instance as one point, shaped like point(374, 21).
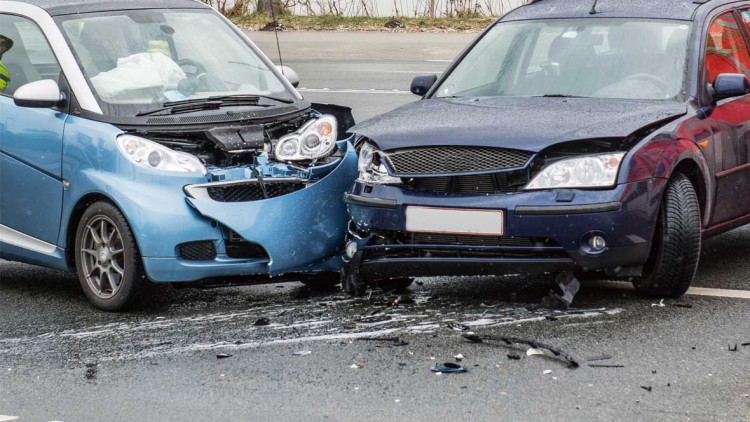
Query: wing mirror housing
point(290, 75)
point(729, 85)
point(421, 85)
point(40, 94)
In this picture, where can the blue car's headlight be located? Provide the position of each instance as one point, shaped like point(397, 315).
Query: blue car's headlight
point(316, 139)
point(149, 154)
point(371, 168)
point(591, 171)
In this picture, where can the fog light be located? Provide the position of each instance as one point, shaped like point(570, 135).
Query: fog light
point(597, 243)
point(351, 249)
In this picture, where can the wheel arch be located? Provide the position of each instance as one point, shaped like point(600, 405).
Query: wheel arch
point(692, 170)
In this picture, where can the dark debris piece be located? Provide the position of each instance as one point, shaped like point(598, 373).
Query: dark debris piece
point(223, 355)
point(455, 326)
point(373, 319)
point(732, 349)
point(682, 305)
point(261, 322)
point(91, 370)
point(746, 344)
point(274, 26)
point(649, 388)
point(475, 338)
point(514, 356)
point(394, 24)
point(604, 365)
point(598, 358)
point(449, 368)
point(397, 341)
point(564, 290)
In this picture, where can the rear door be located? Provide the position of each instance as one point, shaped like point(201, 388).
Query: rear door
point(727, 52)
point(31, 189)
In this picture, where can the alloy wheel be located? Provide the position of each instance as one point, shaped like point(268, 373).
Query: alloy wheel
point(102, 257)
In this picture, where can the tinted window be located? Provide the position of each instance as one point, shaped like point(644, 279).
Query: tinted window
point(726, 51)
point(25, 53)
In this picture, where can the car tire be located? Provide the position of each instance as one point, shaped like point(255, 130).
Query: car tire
point(322, 282)
point(351, 279)
point(398, 285)
point(676, 247)
point(105, 248)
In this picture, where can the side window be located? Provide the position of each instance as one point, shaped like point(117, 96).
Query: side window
point(25, 54)
point(726, 51)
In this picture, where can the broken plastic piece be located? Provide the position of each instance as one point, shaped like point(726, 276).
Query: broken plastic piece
point(746, 344)
point(455, 326)
point(459, 357)
point(513, 356)
point(223, 355)
point(534, 344)
point(547, 371)
point(532, 351)
point(261, 322)
point(604, 365)
point(448, 367)
point(357, 365)
point(658, 305)
point(682, 305)
point(564, 290)
point(302, 353)
point(649, 388)
point(598, 358)
point(732, 349)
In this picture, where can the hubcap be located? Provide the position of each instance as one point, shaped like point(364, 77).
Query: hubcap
point(102, 257)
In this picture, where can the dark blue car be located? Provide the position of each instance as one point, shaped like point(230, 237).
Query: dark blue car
point(571, 137)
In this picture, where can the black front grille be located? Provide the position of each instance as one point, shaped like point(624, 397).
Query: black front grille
point(198, 251)
point(247, 192)
point(239, 248)
point(478, 184)
point(469, 240)
point(435, 160)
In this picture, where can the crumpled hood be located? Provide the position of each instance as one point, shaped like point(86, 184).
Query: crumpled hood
point(530, 124)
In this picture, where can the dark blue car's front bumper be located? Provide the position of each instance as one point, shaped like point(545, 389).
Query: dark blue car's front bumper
point(545, 231)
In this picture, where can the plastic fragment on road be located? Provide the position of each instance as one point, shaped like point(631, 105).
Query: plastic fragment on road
point(302, 353)
point(223, 355)
point(682, 305)
point(564, 289)
point(91, 370)
point(533, 352)
point(455, 326)
point(459, 357)
point(598, 358)
point(605, 365)
point(658, 305)
point(547, 371)
point(649, 388)
point(513, 356)
point(746, 344)
point(449, 368)
point(357, 366)
point(261, 322)
point(732, 349)
point(508, 341)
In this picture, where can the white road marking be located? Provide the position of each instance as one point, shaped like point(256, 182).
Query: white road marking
point(693, 291)
point(4, 418)
point(355, 91)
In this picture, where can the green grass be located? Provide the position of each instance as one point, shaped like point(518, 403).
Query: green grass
point(336, 23)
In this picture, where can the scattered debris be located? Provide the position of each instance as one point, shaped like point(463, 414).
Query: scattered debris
point(732, 349)
point(455, 326)
point(449, 367)
point(273, 26)
point(91, 370)
point(475, 338)
point(649, 388)
point(682, 305)
point(746, 344)
point(302, 353)
point(604, 365)
point(394, 24)
point(598, 358)
point(373, 319)
point(262, 322)
point(658, 305)
point(403, 300)
point(223, 355)
point(513, 356)
point(550, 318)
point(459, 357)
point(532, 352)
point(547, 371)
point(357, 366)
point(564, 289)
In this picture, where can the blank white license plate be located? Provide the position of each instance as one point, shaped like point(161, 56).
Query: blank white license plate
point(451, 220)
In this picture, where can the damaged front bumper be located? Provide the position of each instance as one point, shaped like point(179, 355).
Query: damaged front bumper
point(266, 219)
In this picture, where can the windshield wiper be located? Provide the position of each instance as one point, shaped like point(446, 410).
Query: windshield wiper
point(212, 103)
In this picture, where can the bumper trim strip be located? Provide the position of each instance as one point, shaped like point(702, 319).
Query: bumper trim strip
point(568, 209)
point(369, 202)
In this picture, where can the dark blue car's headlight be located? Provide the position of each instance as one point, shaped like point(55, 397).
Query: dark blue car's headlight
point(590, 171)
point(371, 167)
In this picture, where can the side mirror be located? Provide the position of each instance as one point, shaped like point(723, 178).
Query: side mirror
point(290, 75)
point(39, 94)
point(728, 85)
point(421, 84)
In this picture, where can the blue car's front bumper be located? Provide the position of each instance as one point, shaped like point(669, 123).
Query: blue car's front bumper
point(299, 232)
point(545, 231)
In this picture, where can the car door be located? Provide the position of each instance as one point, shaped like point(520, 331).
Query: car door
point(727, 52)
point(31, 188)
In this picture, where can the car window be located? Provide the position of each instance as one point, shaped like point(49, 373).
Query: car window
point(25, 54)
point(726, 51)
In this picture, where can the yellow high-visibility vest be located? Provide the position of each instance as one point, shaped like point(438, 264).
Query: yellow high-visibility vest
point(4, 77)
point(159, 46)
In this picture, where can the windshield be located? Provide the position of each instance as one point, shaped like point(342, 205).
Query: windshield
point(603, 58)
point(138, 60)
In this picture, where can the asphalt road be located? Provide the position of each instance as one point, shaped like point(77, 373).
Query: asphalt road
point(62, 360)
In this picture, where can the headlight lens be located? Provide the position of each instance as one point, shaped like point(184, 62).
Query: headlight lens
point(592, 171)
point(149, 154)
point(316, 139)
point(371, 168)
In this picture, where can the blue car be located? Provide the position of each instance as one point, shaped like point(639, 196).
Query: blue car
point(572, 137)
point(152, 141)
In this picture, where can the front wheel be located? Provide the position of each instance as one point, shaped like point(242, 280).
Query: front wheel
point(676, 248)
point(107, 259)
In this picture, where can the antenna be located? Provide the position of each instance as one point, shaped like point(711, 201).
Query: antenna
point(276, 33)
point(591, 12)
